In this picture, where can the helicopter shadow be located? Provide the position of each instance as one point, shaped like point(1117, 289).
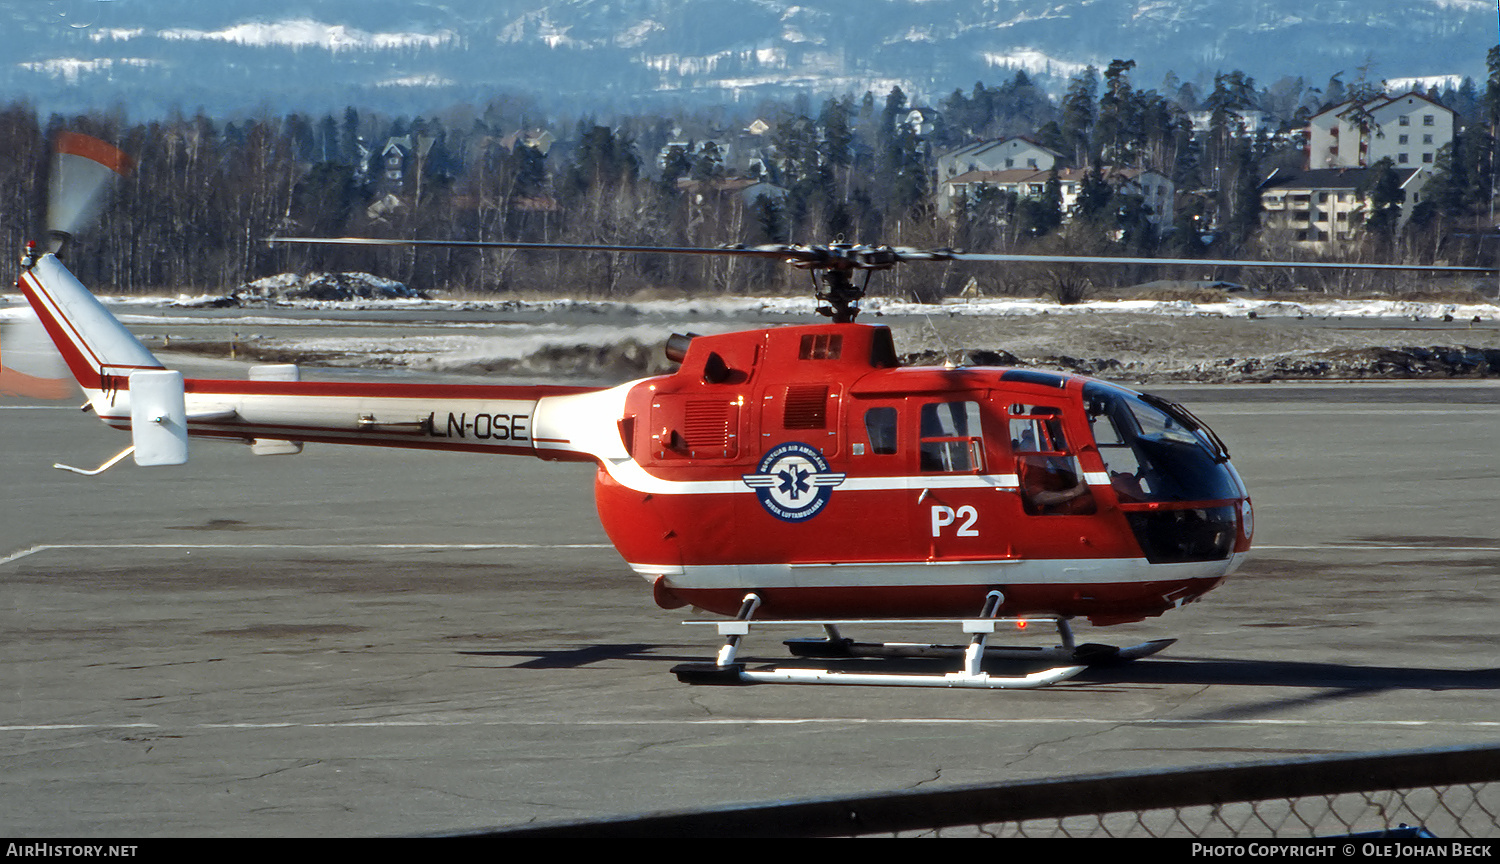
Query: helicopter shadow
point(1288, 673)
point(1195, 671)
point(584, 655)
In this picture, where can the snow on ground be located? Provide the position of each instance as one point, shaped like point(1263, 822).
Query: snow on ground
point(1233, 338)
point(729, 306)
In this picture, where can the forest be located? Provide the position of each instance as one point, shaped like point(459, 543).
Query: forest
point(194, 214)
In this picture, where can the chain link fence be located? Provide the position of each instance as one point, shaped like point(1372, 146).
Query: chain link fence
point(1446, 793)
point(1462, 811)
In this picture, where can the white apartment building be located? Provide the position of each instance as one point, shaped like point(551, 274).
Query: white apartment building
point(1018, 154)
point(1409, 129)
point(1155, 190)
point(1002, 155)
point(1323, 209)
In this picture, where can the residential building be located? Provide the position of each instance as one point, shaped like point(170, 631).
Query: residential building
point(1324, 208)
point(744, 152)
point(747, 188)
point(989, 157)
point(1022, 182)
point(1249, 121)
point(1408, 129)
point(999, 155)
point(539, 140)
point(1155, 190)
point(921, 121)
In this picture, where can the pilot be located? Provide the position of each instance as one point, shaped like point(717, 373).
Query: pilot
point(1127, 486)
point(1053, 488)
point(1050, 483)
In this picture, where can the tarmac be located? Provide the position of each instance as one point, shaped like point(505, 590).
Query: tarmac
point(367, 642)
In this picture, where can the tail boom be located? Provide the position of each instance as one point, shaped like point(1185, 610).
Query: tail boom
point(549, 422)
point(100, 353)
point(471, 418)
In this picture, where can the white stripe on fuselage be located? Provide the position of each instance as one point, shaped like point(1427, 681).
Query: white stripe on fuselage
point(587, 423)
point(872, 574)
point(630, 474)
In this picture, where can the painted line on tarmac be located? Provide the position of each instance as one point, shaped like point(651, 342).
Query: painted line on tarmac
point(1372, 547)
point(804, 721)
point(16, 556)
point(1392, 410)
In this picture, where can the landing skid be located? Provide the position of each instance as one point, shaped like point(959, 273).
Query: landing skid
point(1087, 654)
point(1070, 657)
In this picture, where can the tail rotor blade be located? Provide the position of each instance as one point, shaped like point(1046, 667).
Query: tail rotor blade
point(84, 170)
point(30, 367)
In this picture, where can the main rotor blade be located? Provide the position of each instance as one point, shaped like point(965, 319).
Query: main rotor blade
point(748, 251)
point(942, 255)
point(852, 257)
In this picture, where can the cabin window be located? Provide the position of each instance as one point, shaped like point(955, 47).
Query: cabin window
point(1052, 482)
point(951, 437)
point(880, 426)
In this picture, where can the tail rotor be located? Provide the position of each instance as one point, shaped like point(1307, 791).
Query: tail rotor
point(84, 171)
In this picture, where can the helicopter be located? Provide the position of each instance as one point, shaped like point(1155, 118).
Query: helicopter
point(795, 475)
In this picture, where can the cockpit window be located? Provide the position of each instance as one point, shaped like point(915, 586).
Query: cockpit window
point(1052, 483)
point(1036, 428)
point(1155, 451)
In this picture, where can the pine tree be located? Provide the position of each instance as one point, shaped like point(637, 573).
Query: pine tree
point(1118, 129)
point(1077, 121)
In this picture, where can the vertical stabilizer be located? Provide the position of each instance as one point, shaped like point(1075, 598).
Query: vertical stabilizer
point(158, 418)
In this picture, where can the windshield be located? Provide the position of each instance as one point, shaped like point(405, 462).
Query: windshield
point(1155, 451)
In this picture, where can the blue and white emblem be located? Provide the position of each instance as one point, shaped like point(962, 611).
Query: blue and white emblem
point(793, 482)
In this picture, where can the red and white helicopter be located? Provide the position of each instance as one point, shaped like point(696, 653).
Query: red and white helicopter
point(791, 474)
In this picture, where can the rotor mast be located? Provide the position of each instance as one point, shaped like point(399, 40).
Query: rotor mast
point(841, 294)
point(834, 278)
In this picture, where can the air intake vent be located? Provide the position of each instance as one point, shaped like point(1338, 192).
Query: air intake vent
point(706, 427)
point(806, 407)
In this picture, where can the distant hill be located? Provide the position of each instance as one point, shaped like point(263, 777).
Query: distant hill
point(595, 55)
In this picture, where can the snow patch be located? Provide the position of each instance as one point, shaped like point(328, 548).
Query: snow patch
point(324, 287)
point(309, 33)
point(417, 81)
point(1034, 62)
point(638, 34)
point(1483, 6)
point(1422, 83)
point(116, 34)
point(71, 69)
